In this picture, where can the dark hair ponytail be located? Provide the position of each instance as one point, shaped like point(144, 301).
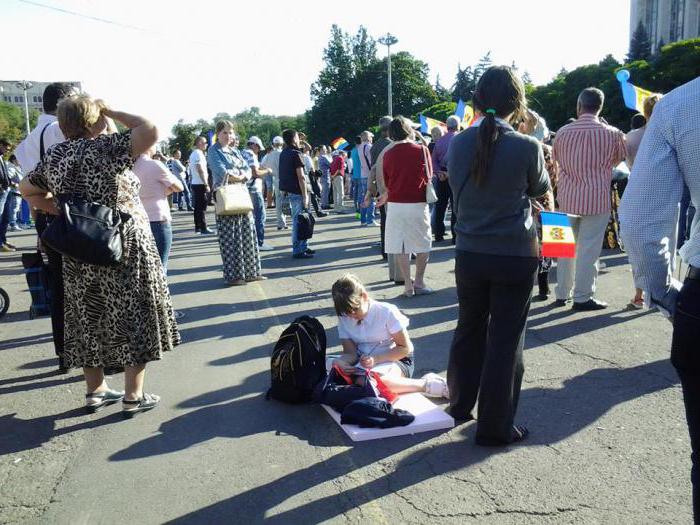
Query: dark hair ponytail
point(498, 94)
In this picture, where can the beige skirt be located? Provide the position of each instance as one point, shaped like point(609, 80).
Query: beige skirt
point(408, 228)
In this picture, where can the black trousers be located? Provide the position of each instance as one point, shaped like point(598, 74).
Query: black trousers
point(382, 226)
point(686, 359)
point(444, 194)
point(55, 275)
point(486, 357)
point(199, 195)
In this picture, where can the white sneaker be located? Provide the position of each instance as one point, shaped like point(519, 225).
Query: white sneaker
point(14, 228)
point(436, 386)
point(373, 223)
point(265, 248)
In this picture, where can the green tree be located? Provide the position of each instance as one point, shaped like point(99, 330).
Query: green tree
point(465, 84)
point(640, 45)
point(439, 111)
point(441, 91)
point(12, 124)
point(350, 94)
point(482, 65)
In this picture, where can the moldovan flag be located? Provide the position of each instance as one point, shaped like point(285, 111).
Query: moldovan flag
point(427, 123)
point(465, 113)
point(557, 235)
point(339, 143)
point(633, 96)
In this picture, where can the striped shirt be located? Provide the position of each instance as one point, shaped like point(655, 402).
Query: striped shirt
point(587, 151)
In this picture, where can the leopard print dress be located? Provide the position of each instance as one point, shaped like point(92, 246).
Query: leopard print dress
point(114, 315)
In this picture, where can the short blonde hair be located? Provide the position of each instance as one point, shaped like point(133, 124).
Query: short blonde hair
point(347, 294)
point(76, 116)
point(649, 103)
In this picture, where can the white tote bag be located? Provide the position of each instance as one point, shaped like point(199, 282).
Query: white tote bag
point(233, 199)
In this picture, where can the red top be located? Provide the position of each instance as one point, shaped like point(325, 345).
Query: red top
point(406, 172)
point(338, 164)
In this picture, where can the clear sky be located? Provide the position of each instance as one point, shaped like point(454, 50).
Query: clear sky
point(172, 59)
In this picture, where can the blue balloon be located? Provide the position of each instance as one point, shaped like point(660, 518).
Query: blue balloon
point(623, 75)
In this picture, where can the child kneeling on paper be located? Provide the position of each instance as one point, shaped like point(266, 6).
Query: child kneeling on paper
point(374, 337)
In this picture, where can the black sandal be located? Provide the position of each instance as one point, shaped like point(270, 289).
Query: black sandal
point(519, 433)
point(147, 402)
point(108, 397)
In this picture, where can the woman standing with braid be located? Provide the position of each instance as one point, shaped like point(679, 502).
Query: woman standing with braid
point(494, 172)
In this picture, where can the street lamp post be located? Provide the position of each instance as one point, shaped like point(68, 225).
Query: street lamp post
point(24, 86)
point(389, 40)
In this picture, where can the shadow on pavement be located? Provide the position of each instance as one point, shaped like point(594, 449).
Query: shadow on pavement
point(24, 434)
point(553, 415)
point(29, 340)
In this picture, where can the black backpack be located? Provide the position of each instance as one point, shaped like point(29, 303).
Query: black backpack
point(298, 361)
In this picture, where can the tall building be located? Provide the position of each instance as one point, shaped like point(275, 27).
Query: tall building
point(666, 21)
point(12, 92)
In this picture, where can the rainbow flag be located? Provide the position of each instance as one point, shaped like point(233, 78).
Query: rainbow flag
point(633, 96)
point(557, 235)
point(427, 123)
point(339, 143)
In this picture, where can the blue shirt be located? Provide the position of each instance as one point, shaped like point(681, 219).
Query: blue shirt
point(668, 157)
point(356, 167)
point(226, 161)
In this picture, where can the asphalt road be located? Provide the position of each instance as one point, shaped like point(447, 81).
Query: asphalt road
point(608, 438)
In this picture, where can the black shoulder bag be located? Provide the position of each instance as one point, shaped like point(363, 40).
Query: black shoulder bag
point(88, 232)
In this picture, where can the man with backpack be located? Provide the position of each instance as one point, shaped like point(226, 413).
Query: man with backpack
point(29, 153)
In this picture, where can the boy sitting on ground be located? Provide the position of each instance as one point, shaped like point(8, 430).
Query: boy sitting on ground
point(374, 337)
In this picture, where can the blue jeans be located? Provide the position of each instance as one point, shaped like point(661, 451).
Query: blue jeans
point(4, 214)
point(260, 215)
point(13, 203)
point(25, 214)
point(366, 214)
point(296, 202)
point(357, 195)
point(163, 234)
point(183, 195)
point(325, 188)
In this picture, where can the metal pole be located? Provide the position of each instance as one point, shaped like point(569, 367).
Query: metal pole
point(26, 112)
point(389, 40)
point(391, 110)
point(24, 86)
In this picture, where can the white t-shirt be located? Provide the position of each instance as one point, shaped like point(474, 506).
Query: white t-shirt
point(197, 157)
point(372, 335)
point(28, 151)
point(272, 161)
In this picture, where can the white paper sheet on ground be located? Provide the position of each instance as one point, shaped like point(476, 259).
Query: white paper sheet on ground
point(429, 416)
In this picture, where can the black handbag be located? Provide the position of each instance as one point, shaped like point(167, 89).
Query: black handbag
point(88, 232)
point(305, 225)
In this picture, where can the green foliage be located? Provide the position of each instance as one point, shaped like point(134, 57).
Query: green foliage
point(675, 65)
point(640, 45)
point(439, 111)
point(350, 94)
point(12, 124)
point(248, 122)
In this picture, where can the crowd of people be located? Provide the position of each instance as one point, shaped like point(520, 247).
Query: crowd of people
point(494, 176)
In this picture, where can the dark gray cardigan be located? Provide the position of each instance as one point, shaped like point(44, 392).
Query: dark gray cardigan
point(496, 218)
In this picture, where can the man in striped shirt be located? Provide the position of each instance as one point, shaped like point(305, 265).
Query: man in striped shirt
point(586, 150)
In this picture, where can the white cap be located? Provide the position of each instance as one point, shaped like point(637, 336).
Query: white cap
point(278, 141)
point(255, 140)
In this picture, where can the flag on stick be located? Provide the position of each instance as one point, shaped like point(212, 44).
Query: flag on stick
point(557, 235)
point(633, 96)
point(339, 143)
point(427, 123)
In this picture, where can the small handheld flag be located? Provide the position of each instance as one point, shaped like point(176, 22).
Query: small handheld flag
point(427, 123)
point(340, 143)
point(633, 96)
point(557, 235)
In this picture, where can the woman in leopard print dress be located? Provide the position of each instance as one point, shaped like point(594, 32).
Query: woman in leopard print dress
point(114, 315)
